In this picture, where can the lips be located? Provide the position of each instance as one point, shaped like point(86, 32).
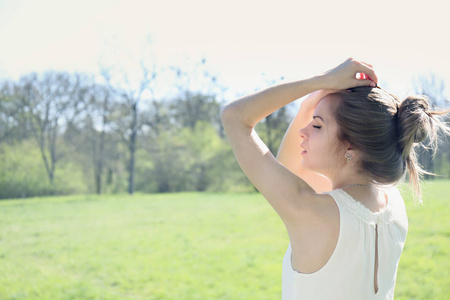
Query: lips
point(304, 150)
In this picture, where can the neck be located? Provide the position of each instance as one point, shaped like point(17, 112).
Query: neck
point(356, 185)
point(343, 180)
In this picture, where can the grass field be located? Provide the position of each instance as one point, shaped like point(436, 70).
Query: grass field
point(183, 246)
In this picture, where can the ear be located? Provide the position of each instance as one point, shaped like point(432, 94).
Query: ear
point(350, 151)
point(349, 147)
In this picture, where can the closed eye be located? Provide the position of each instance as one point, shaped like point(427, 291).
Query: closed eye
point(318, 127)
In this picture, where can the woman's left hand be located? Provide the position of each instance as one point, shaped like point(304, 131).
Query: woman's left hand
point(346, 76)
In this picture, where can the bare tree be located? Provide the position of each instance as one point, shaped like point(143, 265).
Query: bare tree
point(101, 101)
point(88, 132)
point(132, 92)
point(49, 103)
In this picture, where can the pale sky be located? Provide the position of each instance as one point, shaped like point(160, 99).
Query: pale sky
point(240, 39)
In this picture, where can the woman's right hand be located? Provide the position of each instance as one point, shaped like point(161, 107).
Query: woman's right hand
point(344, 76)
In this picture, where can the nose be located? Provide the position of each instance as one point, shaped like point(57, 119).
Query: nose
point(302, 133)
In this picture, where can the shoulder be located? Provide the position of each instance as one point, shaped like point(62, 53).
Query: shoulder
point(398, 204)
point(395, 198)
point(316, 210)
point(317, 204)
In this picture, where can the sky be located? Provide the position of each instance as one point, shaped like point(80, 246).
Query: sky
point(246, 44)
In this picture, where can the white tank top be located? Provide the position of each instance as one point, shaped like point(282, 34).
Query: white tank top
point(350, 271)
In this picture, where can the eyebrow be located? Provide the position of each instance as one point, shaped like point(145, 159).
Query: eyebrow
point(319, 118)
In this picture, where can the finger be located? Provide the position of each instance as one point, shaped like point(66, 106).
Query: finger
point(365, 82)
point(369, 72)
point(363, 76)
point(367, 64)
point(360, 75)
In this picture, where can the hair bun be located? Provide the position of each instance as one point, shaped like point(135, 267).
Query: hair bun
point(420, 136)
point(423, 108)
point(414, 122)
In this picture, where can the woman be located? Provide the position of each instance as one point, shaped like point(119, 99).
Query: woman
point(332, 181)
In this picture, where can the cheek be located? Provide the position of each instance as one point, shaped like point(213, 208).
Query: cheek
point(321, 141)
point(322, 152)
point(337, 153)
point(330, 150)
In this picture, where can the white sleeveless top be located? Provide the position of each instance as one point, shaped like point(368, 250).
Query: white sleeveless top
point(350, 271)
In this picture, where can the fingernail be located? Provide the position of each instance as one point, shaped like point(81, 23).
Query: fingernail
point(373, 84)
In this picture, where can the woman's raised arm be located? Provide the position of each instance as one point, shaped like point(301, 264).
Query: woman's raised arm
point(282, 189)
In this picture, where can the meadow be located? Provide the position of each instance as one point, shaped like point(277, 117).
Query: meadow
point(184, 246)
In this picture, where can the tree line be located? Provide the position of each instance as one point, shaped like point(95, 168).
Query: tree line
point(63, 133)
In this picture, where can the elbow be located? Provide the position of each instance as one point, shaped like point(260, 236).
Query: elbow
point(231, 113)
point(227, 114)
point(222, 110)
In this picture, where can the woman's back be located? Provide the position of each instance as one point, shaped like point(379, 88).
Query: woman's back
point(366, 239)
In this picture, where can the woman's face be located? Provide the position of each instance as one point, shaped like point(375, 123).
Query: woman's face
point(321, 151)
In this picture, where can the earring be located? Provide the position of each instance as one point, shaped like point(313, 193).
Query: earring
point(349, 157)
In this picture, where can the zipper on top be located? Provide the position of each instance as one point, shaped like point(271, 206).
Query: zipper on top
point(376, 260)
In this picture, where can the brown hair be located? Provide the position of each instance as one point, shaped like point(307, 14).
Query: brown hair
point(386, 132)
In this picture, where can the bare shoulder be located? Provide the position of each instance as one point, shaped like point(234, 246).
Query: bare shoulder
point(319, 212)
point(319, 205)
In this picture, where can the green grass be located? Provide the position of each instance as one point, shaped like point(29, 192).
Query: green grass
point(183, 246)
point(424, 270)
